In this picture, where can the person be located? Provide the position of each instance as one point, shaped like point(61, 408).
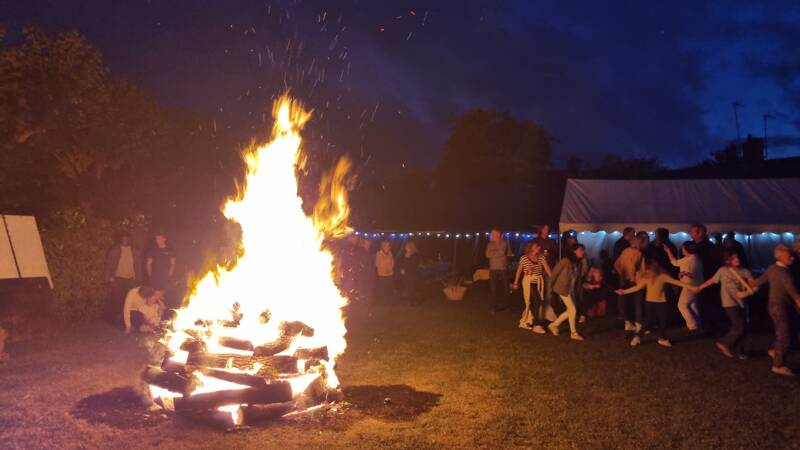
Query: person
point(384, 265)
point(123, 270)
point(409, 271)
point(595, 292)
point(653, 281)
point(565, 282)
point(781, 292)
point(734, 284)
point(708, 300)
point(627, 239)
point(729, 243)
point(143, 308)
point(605, 264)
point(549, 249)
point(657, 251)
point(366, 269)
point(497, 252)
point(690, 271)
point(628, 266)
point(533, 265)
point(160, 262)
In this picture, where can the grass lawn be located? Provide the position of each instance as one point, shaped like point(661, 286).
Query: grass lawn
point(455, 376)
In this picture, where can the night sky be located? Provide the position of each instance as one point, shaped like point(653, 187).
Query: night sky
point(385, 78)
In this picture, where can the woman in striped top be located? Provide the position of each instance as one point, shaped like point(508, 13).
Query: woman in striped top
point(532, 265)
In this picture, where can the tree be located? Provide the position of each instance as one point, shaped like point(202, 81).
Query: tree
point(73, 136)
point(489, 147)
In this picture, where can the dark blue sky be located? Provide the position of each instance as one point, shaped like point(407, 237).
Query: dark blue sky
point(385, 77)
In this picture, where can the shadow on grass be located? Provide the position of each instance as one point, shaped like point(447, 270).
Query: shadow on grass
point(119, 408)
point(397, 402)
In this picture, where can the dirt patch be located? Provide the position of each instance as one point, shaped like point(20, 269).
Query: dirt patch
point(397, 402)
point(120, 408)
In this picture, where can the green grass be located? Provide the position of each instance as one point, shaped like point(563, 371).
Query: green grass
point(500, 387)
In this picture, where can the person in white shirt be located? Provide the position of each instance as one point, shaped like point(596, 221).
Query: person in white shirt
point(384, 264)
point(691, 272)
point(143, 308)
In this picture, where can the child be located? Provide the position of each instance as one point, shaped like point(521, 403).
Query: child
point(384, 263)
point(565, 281)
point(734, 287)
point(595, 290)
point(653, 282)
point(691, 272)
point(533, 264)
point(781, 293)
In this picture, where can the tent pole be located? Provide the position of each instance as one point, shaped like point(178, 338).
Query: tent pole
point(11, 246)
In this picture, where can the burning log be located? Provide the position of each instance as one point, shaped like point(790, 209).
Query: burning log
point(274, 347)
point(170, 381)
point(270, 364)
point(224, 420)
point(312, 353)
point(172, 366)
point(238, 378)
point(238, 344)
point(252, 414)
point(270, 393)
point(193, 346)
point(296, 328)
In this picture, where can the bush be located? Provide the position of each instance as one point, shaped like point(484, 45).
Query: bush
point(75, 248)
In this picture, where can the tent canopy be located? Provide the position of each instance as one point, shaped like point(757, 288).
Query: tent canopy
point(741, 205)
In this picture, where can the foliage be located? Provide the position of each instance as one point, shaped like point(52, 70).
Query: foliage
point(72, 136)
point(490, 147)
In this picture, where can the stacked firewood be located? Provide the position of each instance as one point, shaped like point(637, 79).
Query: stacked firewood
point(259, 394)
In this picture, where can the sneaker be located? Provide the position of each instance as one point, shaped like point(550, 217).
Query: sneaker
point(576, 337)
point(783, 370)
point(664, 343)
point(553, 329)
point(771, 353)
point(635, 341)
point(629, 326)
point(525, 326)
point(724, 349)
point(646, 332)
point(539, 330)
point(582, 319)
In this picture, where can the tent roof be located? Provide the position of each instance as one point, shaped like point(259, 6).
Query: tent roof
point(742, 205)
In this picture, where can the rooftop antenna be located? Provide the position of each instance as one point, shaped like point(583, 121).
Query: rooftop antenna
point(736, 105)
point(766, 116)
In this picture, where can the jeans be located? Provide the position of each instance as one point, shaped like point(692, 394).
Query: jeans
point(633, 305)
point(656, 312)
point(687, 305)
point(735, 333)
point(533, 306)
point(570, 314)
point(780, 320)
point(498, 283)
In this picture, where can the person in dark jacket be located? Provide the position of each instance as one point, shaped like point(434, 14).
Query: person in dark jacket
point(123, 271)
point(628, 236)
point(409, 272)
point(566, 280)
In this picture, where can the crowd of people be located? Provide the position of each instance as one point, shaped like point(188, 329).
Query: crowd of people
point(139, 282)
point(643, 276)
point(709, 283)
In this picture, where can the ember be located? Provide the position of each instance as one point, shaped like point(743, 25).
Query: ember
point(261, 339)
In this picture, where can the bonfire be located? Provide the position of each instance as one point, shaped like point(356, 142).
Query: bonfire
point(261, 339)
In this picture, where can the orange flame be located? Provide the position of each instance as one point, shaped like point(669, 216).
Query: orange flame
point(284, 267)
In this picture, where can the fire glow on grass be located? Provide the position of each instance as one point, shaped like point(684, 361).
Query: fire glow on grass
point(284, 273)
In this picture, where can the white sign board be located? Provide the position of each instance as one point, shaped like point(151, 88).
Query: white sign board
point(21, 251)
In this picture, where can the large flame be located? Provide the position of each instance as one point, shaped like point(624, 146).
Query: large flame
point(284, 267)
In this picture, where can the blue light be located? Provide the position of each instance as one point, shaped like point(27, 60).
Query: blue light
point(516, 234)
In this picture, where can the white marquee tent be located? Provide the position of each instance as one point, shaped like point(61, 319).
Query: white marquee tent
point(762, 212)
point(21, 251)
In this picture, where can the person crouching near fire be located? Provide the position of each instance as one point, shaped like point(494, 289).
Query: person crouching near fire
point(143, 308)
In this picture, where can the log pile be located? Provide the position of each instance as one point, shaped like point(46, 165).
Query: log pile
point(251, 383)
